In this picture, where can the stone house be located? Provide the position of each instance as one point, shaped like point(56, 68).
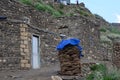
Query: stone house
point(22, 46)
point(58, 1)
point(18, 33)
point(64, 1)
point(25, 44)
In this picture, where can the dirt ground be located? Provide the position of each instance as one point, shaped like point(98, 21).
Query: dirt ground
point(44, 73)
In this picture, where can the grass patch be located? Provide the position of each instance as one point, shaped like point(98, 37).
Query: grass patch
point(103, 29)
point(101, 72)
point(82, 12)
point(27, 2)
point(39, 5)
point(114, 30)
point(69, 14)
point(61, 6)
point(114, 36)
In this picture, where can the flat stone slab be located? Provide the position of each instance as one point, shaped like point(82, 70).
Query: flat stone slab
point(72, 78)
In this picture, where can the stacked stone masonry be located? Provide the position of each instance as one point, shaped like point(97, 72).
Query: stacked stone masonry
point(24, 49)
point(20, 38)
point(14, 50)
point(116, 54)
point(9, 46)
point(83, 29)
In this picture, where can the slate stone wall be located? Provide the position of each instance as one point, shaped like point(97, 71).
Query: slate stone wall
point(116, 54)
point(48, 42)
point(9, 46)
point(84, 29)
point(14, 46)
point(16, 41)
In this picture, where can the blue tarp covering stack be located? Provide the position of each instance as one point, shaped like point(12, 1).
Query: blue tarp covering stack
point(3, 17)
point(69, 56)
point(70, 41)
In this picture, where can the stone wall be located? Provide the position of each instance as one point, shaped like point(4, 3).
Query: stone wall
point(16, 40)
point(9, 45)
point(15, 47)
point(84, 29)
point(48, 42)
point(116, 54)
point(24, 47)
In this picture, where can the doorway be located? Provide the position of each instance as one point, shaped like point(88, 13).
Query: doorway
point(35, 52)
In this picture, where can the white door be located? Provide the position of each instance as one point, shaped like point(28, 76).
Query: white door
point(35, 52)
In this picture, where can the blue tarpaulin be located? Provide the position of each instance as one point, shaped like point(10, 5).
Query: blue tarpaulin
point(71, 41)
point(3, 17)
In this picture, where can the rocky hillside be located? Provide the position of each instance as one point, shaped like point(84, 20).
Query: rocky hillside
point(110, 33)
point(60, 10)
point(26, 7)
point(13, 9)
point(117, 25)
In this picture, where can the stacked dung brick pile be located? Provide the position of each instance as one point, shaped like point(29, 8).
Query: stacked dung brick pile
point(69, 61)
point(116, 54)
